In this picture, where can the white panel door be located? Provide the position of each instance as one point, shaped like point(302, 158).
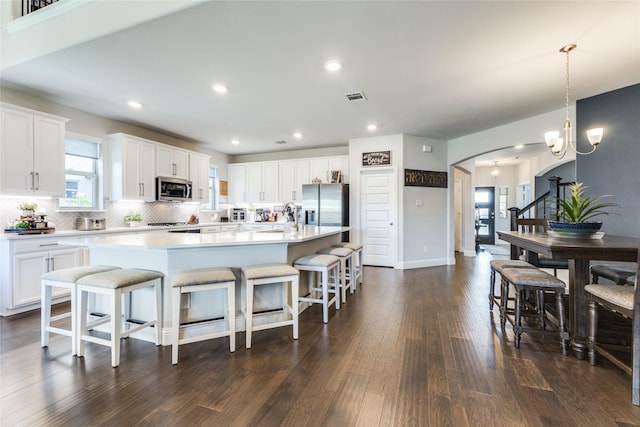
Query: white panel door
point(378, 202)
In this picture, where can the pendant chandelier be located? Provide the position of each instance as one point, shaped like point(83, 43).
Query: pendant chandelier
point(559, 145)
point(495, 171)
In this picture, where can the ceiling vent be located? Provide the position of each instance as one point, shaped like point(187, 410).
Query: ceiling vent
point(281, 142)
point(355, 96)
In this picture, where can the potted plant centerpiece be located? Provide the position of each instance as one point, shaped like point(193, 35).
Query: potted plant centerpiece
point(576, 211)
point(134, 219)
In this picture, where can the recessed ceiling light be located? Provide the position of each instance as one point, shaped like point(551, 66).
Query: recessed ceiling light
point(135, 104)
point(333, 65)
point(297, 135)
point(519, 147)
point(372, 126)
point(235, 142)
point(220, 88)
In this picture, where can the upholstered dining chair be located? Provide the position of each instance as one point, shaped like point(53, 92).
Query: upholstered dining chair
point(624, 300)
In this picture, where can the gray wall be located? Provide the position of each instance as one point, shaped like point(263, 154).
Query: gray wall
point(566, 171)
point(615, 167)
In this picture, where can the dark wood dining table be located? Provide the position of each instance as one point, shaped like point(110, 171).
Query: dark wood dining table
point(579, 253)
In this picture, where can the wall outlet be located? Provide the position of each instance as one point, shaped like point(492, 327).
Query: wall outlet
point(419, 203)
point(424, 248)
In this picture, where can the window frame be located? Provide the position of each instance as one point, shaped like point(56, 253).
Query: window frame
point(98, 173)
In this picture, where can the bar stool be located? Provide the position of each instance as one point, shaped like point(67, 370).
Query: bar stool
point(65, 278)
point(203, 279)
point(345, 256)
point(357, 260)
point(327, 266)
point(115, 284)
point(497, 265)
point(264, 274)
point(529, 279)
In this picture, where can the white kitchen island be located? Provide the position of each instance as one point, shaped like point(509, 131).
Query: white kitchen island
point(170, 253)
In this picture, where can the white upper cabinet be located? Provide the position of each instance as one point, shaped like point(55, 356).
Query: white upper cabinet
point(172, 162)
point(292, 175)
point(31, 153)
point(262, 182)
point(199, 176)
point(132, 168)
point(322, 167)
point(237, 183)
point(281, 182)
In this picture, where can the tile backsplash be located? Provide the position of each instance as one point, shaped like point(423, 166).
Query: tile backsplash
point(114, 212)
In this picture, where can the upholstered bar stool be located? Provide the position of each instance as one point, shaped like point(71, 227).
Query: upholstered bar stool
point(529, 279)
point(631, 280)
point(617, 272)
point(115, 284)
point(65, 278)
point(358, 265)
point(198, 280)
point(264, 274)
point(497, 265)
point(346, 260)
point(328, 267)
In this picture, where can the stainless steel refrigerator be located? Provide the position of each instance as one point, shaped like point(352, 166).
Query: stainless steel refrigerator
point(326, 205)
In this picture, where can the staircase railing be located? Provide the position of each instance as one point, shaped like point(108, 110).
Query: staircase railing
point(544, 206)
point(29, 6)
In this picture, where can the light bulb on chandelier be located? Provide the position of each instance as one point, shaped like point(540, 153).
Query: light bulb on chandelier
point(559, 145)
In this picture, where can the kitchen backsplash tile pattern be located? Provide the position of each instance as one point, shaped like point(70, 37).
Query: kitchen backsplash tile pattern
point(114, 212)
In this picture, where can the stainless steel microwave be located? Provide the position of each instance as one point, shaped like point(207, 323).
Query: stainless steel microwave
point(173, 189)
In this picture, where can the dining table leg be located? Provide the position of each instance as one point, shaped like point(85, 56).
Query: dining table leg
point(578, 307)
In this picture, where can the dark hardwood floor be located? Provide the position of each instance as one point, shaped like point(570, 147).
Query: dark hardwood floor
point(415, 347)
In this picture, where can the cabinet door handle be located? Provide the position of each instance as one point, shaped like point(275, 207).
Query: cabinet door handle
point(45, 265)
point(48, 244)
point(52, 264)
point(293, 195)
point(142, 188)
point(173, 166)
point(31, 185)
point(38, 180)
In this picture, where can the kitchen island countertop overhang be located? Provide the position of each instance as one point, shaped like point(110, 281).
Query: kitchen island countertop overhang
point(171, 253)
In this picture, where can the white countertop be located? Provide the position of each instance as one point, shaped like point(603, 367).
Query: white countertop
point(129, 230)
point(165, 240)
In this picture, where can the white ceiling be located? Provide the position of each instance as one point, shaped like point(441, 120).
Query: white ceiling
point(434, 69)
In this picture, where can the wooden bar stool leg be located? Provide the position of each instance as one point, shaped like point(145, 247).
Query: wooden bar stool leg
point(231, 309)
point(248, 317)
point(116, 326)
point(564, 335)
point(518, 322)
point(295, 284)
point(175, 324)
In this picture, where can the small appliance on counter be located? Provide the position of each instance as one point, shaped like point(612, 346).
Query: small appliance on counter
point(262, 215)
point(238, 215)
point(91, 224)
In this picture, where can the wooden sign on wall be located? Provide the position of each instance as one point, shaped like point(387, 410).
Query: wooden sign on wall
point(418, 178)
point(376, 158)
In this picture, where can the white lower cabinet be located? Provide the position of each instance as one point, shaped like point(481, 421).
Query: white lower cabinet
point(23, 262)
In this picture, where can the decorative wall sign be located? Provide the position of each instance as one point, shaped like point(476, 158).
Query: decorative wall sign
point(418, 178)
point(223, 188)
point(376, 158)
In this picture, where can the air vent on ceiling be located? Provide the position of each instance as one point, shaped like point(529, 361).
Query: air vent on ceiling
point(281, 142)
point(355, 96)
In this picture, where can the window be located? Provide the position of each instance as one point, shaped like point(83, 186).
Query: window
point(82, 166)
point(504, 192)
